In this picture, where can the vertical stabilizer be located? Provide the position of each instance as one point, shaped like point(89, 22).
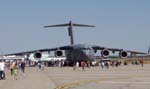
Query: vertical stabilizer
point(70, 28)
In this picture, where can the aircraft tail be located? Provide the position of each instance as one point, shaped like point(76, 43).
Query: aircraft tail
point(70, 27)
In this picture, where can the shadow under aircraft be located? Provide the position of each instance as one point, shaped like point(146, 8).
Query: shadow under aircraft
point(78, 52)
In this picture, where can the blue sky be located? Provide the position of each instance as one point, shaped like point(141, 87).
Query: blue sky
point(119, 23)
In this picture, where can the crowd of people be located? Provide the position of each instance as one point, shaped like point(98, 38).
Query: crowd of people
point(19, 65)
point(13, 66)
point(105, 64)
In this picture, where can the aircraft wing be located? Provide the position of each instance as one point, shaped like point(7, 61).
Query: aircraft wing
point(116, 50)
point(69, 47)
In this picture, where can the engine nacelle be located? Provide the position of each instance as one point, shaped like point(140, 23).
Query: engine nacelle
point(105, 53)
point(58, 53)
point(37, 55)
point(123, 54)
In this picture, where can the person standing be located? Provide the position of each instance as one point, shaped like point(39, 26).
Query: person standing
point(83, 64)
point(15, 71)
point(2, 73)
point(102, 64)
point(42, 65)
point(141, 62)
point(77, 64)
point(12, 64)
point(23, 66)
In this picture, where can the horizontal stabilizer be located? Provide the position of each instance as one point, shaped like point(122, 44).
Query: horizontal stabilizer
point(70, 24)
point(59, 25)
point(82, 25)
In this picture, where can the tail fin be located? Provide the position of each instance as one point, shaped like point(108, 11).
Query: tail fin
point(70, 27)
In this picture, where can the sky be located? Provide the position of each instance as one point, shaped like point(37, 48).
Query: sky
point(119, 24)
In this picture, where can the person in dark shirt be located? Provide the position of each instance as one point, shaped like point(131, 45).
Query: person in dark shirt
point(23, 66)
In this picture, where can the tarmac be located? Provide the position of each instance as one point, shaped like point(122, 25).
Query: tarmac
point(122, 77)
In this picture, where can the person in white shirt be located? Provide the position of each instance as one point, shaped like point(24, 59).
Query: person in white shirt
point(77, 64)
point(2, 73)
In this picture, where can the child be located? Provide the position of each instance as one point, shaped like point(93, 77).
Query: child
point(15, 71)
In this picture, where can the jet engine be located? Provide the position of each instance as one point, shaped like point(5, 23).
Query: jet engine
point(37, 55)
point(123, 54)
point(105, 53)
point(58, 53)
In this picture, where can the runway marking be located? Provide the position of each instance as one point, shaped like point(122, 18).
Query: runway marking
point(66, 86)
point(69, 85)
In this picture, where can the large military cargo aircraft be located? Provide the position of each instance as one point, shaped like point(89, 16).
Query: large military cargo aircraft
point(78, 52)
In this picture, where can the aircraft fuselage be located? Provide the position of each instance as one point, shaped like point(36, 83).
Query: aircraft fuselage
point(80, 53)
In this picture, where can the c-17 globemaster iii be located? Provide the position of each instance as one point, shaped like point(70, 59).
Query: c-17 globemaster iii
point(78, 52)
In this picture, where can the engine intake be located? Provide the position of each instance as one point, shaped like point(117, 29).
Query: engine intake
point(105, 53)
point(37, 55)
point(58, 53)
point(123, 54)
